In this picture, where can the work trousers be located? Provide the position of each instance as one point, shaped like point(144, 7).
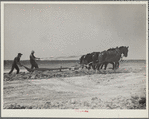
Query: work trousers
point(16, 67)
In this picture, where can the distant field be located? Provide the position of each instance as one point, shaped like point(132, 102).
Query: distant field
point(45, 63)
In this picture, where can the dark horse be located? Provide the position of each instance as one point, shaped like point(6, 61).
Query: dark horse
point(86, 60)
point(95, 61)
point(111, 56)
point(106, 63)
point(89, 60)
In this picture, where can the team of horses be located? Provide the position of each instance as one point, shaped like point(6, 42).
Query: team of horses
point(97, 60)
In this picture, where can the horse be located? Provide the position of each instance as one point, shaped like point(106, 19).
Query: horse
point(113, 55)
point(95, 61)
point(89, 60)
point(86, 61)
point(82, 61)
point(113, 63)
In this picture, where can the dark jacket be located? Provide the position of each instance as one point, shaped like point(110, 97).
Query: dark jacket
point(32, 58)
point(16, 61)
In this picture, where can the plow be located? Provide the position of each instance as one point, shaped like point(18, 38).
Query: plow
point(50, 69)
point(60, 69)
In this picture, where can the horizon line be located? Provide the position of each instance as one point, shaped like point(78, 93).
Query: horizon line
point(66, 59)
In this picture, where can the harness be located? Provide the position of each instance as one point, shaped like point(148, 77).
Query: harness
point(121, 58)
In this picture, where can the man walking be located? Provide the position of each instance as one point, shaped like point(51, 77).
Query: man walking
point(15, 63)
point(33, 60)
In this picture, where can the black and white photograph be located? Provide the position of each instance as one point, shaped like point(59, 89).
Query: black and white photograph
point(74, 56)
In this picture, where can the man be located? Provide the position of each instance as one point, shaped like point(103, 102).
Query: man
point(15, 63)
point(32, 60)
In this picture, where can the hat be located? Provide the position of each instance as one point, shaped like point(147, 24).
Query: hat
point(32, 51)
point(20, 54)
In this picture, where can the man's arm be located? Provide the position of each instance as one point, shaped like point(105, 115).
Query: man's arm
point(36, 57)
point(33, 57)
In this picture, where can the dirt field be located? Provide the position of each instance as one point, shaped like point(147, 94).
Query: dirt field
point(78, 89)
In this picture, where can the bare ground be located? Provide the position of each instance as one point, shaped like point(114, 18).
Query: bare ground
point(80, 89)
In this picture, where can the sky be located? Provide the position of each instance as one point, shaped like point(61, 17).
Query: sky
point(62, 30)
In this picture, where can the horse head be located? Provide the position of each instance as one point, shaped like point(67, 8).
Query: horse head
point(81, 59)
point(124, 50)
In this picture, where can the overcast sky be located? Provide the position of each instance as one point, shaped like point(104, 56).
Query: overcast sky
point(54, 30)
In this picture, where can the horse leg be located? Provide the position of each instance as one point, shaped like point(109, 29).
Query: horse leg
point(82, 66)
point(93, 66)
point(114, 68)
point(98, 68)
point(105, 66)
point(117, 65)
point(86, 66)
point(102, 66)
point(89, 67)
point(113, 65)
